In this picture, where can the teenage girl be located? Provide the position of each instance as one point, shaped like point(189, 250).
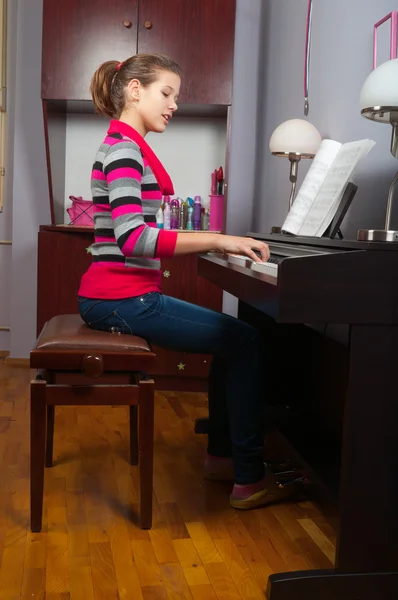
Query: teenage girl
point(121, 290)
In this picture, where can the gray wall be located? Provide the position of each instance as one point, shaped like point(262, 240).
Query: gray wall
point(242, 164)
point(341, 59)
point(6, 215)
point(30, 203)
point(242, 160)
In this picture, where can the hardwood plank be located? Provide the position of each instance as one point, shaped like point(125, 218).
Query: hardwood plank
point(162, 545)
point(239, 570)
point(190, 562)
point(203, 592)
point(222, 581)
point(319, 538)
point(103, 572)
point(175, 583)
point(147, 566)
point(154, 593)
point(203, 543)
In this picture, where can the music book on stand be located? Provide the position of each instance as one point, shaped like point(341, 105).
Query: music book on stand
point(320, 194)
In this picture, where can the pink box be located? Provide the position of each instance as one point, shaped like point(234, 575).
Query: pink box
point(216, 222)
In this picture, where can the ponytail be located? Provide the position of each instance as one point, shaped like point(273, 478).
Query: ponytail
point(101, 89)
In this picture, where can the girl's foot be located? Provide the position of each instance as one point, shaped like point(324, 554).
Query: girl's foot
point(263, 492)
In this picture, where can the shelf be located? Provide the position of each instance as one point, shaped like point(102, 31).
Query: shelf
point(87, 229)
point(184, 110)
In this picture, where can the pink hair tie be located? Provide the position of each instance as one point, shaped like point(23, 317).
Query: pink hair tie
point(119, 66)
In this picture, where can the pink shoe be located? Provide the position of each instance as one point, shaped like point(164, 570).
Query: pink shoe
point(270, 494)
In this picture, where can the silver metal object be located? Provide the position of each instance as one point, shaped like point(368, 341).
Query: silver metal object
point(385, 114)
point(294, 158)
point(377, 235)
point(389, 115)
point(294, 161)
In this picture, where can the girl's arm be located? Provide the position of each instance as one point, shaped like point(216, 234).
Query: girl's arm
point(123, 170)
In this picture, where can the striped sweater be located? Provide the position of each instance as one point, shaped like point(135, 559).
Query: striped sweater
point(126, 195)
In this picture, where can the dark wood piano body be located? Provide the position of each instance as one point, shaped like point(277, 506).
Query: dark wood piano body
point(350, 390)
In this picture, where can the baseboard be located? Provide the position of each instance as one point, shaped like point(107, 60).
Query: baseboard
point(4, 354)
point(17, 362)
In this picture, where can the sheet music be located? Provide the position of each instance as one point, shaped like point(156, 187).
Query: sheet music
point(329, 183)
point(311, 185)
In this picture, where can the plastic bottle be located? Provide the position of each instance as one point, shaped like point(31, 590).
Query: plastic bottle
point(197, 208)
point(174, 205)
point(190, 213)
point(183, 215)
point(166, 213)
point(206, 219)
point(159, 218)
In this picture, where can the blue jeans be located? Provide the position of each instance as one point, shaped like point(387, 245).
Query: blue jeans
point(236, 399)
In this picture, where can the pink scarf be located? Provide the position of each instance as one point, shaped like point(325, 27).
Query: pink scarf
point(161, 175)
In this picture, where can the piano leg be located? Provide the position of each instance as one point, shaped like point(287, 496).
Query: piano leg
point(366, 566)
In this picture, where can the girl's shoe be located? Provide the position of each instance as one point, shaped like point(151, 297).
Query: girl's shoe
point(270, 494)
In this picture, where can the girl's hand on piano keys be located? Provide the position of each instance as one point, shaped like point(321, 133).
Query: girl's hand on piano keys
point(231, 244)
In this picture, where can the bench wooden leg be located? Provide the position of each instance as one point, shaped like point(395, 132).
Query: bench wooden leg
point(37, 451)
point(146, 432)
point(50, 435)
point(134, 435)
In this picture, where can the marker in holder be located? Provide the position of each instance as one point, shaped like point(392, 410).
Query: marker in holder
point(216, 212)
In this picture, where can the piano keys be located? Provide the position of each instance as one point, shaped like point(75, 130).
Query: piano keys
point(279, 252)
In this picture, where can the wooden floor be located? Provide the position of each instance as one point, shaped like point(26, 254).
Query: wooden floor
point(91, 548)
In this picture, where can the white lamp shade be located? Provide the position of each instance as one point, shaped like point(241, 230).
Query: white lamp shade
point(295, 136)
point(380, 90)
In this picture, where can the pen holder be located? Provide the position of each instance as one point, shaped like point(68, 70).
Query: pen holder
point(216, 222)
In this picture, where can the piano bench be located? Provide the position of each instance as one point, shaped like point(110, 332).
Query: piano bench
point(80, 366)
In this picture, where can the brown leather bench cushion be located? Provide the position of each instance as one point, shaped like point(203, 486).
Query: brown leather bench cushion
point(69, 332)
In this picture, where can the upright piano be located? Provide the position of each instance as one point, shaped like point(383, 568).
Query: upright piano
point(315, 283)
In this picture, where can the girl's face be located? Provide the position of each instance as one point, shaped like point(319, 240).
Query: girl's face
point(155, 104)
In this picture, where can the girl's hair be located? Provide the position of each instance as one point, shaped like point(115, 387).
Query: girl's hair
point(111, 78)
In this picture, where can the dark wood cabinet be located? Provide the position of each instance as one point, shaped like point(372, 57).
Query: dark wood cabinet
point(78, 35)
point(63, 257)
point(199, 35)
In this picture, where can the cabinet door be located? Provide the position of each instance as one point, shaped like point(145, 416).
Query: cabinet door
point(180, 279)
point(78, 35)
point(62, 260)
point(199, 35)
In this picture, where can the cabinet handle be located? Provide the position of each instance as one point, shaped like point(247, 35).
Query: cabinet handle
point(148, 24)
point(127, 23)
point(166, 274)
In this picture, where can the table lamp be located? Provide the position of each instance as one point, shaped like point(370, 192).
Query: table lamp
point(379, 102)
point(295, 139)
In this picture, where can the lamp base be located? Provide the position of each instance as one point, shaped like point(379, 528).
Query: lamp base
point(377, 235)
